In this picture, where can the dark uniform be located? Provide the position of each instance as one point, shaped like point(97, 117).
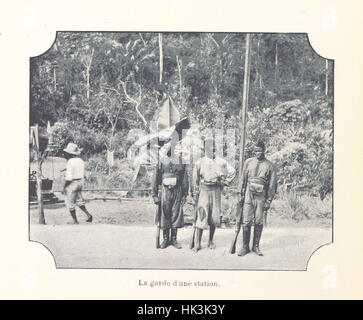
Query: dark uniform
point(172, 179)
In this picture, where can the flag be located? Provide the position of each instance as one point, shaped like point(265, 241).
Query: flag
point(167, 114)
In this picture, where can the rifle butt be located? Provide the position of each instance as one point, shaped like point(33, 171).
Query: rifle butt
point(265, 219)
point(157, 222)
point(232, 249)
point(191, 243)
point(239, 207)
point(157, 239)
point(195, 212)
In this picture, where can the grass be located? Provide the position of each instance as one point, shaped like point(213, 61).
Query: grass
point(142, 213)
point(295, 209)
point(289, 209)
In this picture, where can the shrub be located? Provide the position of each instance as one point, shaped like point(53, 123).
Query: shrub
point(299, 141)
point(90, 141)
point(100, 176)
point(298, 206)
point(295, 205)
point(97, 164)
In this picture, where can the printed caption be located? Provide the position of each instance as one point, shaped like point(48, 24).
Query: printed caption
point(178, 283)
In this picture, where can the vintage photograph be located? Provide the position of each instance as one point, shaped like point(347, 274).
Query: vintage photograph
point(181, 150)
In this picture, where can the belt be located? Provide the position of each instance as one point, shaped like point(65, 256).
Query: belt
point(208, 186)
point(256, 180)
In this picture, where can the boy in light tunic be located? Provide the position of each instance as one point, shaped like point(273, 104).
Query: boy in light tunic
point(210, 175)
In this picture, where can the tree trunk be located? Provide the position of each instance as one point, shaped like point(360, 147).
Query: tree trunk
point(178, 62)
point(276, 62)
point(244, 109)
point(110, 159)
point(54, 80)
point(220, 80)
point(160, 57)
point(87, 70)
point(259, 64)
point(258, 74)
point(219, 74)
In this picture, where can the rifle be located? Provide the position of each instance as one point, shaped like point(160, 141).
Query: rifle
point(232, 249)
point(265, 218)
point(191, 244)
point(239, 212)
point(158, 223)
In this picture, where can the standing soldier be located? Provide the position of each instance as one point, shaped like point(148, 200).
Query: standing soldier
point(172, 179)
point(74, 181)
point(210, 175)
point(257, 192)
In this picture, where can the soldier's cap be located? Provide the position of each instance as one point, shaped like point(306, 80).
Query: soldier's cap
point(260, 144)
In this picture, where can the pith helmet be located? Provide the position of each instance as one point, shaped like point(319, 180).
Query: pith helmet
point(72, 148)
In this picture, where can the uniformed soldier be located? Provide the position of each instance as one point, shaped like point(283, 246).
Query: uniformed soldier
point(210, 175)
point(172, 180)
point(74, 182)
point(257, 191)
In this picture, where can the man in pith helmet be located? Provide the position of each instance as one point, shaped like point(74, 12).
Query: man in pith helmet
point(74, 181)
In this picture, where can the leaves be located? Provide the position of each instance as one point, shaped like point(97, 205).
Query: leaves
point(81, 81)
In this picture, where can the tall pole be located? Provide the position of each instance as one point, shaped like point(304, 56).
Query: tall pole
point(39, 176)
point(161, 74)
point(244, 109)
point(326, 77)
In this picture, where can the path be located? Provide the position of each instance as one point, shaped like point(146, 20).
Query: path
point(117, 246)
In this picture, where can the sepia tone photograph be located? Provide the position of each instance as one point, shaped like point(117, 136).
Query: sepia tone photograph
point(181, 150)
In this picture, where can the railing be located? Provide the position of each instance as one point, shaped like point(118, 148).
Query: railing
point(110, 190)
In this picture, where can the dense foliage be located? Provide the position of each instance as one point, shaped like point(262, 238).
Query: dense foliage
point(98, 86)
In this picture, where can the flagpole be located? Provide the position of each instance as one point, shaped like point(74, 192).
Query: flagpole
point(161, 60)
point(244, 109)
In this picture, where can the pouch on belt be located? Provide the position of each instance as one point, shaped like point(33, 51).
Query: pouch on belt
point(169, 182)
point(256, 188)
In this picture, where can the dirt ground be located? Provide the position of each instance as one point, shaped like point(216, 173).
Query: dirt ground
point(115, 240)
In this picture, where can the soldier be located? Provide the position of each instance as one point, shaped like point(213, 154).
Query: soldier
point(210, 175)
point(257, 191)
point(172, 178)
point(74, 182)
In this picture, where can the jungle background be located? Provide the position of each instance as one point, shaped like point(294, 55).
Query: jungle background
point(93, 88)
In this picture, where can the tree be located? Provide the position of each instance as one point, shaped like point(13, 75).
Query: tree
point(102, 84)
